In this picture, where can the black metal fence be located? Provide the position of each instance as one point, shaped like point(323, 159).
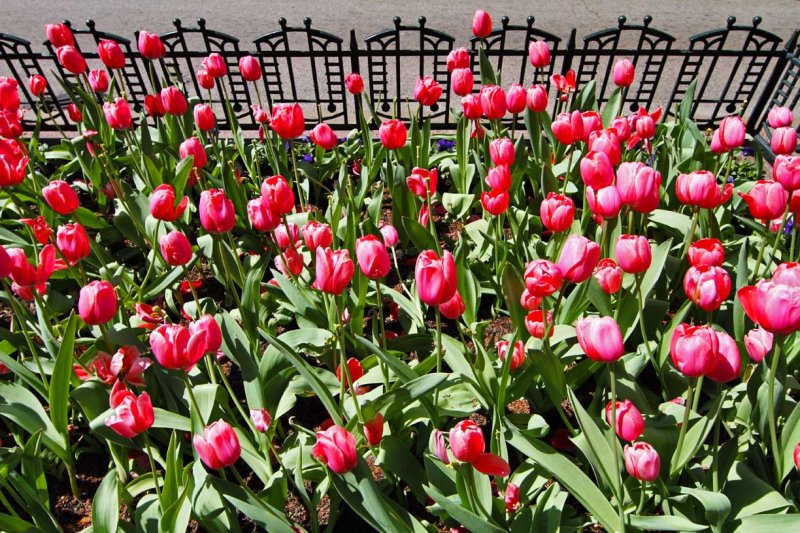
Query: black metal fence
point(737, 67)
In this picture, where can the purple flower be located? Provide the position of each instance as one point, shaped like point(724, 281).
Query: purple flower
point(445, 145)
point(308, 158)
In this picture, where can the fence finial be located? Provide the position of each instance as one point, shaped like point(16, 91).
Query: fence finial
point(757, 20)
point(177, 23)
point(282, 22)
point(647, 20)
point(202, 23)
point(90, 24)
point(731, 21)
point(396, 21)
point(307, 23)
point(422, 20)
point(621, 20)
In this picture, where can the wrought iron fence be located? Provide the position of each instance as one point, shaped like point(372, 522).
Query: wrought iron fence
point(738, 68)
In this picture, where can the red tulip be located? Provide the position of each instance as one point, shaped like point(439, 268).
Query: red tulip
point(427, 91)
point(707, 286)
point(261, 419)
point(516, 99)
point(491, 465)
point(59, 35)
point(124, 365)
point(373, 259)
point(393, 134)
point(278, 194)
point(289, 262)
point(150, 46)
point(536, 322)
point(336, 447)
point(693, 349)
point(259, 115)
point(213, 334)
point(176, 348)
point(218, 446)
point(603, 203)
point(529, 301)
point(501, 151)
point(600, 338)
point(539, 54)
point(98, 81)
point(472, 106)
point(633, 253)
point(354, 83)
point(454, 307)
point(642, 461)
point(495, 202)
point(153, 106)
point(423, 182)
point(205, 80)
point(606, 141)
point(623, 73)
point(578, 258)
point(564, 84)
point(767, 200)
point(462, 81)
point(323, 136)
point(13, 163)
point(288, 120)
point(568, 128)
point(118, 114)
point(193, 147)
point(466, 441)
point(316, 234)
point(706, 252)
point(334, 270)
point(786, 171)
point(542, 277)
point(97, 303)
point(457, 58)
point(175, 248)
point(780, 117)
point(355, 370)
point(204, 117)
point(639, 186)
point(700, 188)
point(517, 354)
point(630, 424)
point(373, 429)
point(557, 212)
point(10, 125)
point(773, 306)
point(162, 204)
point(783, 141)
point(111, 54)
point(493, 102)
point(71, 59)
point(9, 94)
point(435, 277)
point(499, 177)
point(132, 415)
point(75, 114)
point(36, 84)
point(536, 98)
point(61, 197)
point(73, 242)
point(250, 68)
point(24, 274)
point(216, 211)
point(481, 24)
point(726, 364)
point(758, 343)
point(286, 235)
point(609, 275)
point(215, 65)
point(596, 170)
point(173, 100)
point(41, 229)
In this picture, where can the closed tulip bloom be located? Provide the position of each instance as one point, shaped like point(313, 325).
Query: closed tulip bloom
point(516, 99)
point(213, 334)
point(536, 325)
point(323, 136)
point(215, 65)
point(578, 258)
point(175, 248)
point(435, 277)
point(193, 147)
point(517, 353)
point(481, 24)
point(98, 80)
point(61, 197)
point(457, 58)
point(261, 419)
point(73, 242)
point(316, 234)
point(288, 120)
point(59, 35)
point(162, 204)
point(609, 275)
point(175, 347)
point(466, 441)
point(511, 498)
point(495, 202)
point(218, 447)
point(205, 80)
point(150, 46)
point(454, 307)
point(427, 91)
point(423, 182)
point(71, 59)
point(354, 368)
point(787, 274)
point(557, 212)
point(393, 134)
point(289, 262)
point(758, 343)
point(439, 446)
point(542, 278)
point(9, 94)
point(97, 303)
point(707, 286)
point(606, 141)
point(278, 193)
point(261, 215)
point(335, 269)
point(645, 127)
point(118, 114)
point(499, 177)
point(633, 253)
point(373, 259)
point(10, 125)
point(783, 141)
point(603, 203)
point(204, 117)
point(700, 189)
point(786, 171)
point(732, 132)
point(536, 98)
point(501, 151)
point(462, 81)
point(472, 106)
point(529, 301)
point(336, 447)
point(259, 115)
point(216, 211)
point(623, 128)
point(693, 349)
point(727, 364)
point(630, 424)
point(596, 170)
point(389, 234)
point(37, 85)
point(153, 106)
point(639, 186)
point(493, 102)
point(286, 235)
point(539, 54)
point(173, 100)
point(13, 163)
point(111, 54)
point(780, 117)
point(706, 252)
point(767, 200)
point(132, 415)
point(642, 461)
point(354, 83)
point(600, 338)
point(623, 73)
point(373, 429)
point(250, 68)
point(592, 122)
point(773, 306)
point(75, 114)
point(568, 128)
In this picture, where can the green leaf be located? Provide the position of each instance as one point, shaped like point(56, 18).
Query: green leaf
point(105, 507)
point(458, 205)
point(687, 102)
point(769, 523)
point(458, 512)
point(717, 506)
point(596, 446)
point(62, 374)
point(695, 437)
point(21, 407)
point(419, 234)
point(513, 286)
point(665, 523)
point(396, 457)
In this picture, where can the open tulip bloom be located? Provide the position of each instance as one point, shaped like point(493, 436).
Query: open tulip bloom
point(558, 313)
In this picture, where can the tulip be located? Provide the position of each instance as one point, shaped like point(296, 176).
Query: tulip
point(542, 277)
point(731, 133)
point(592, 122)
point(557, 212)
point(175, 248)
point(9, 94)
point(162, 204)
point(13, 163)
point(767, 200)
point(36, 84)
point(354, 368)
point(23, 273)
point(124, 365)
point(603, 203)
point(73, 242)
point(440, 447)
point(10, 125)
point(71, 59)
point(495, 202)
point(472, 106)
point(153, 106)
point(175, 347)
point(290, 262)
point(578, 258)
point(218, 446)
point(529, 301)
point(623, 73)
point(462, 81)
point(373, 430)
point(600, 338)
point(639, 186)
point(205, 80)
point(596, 170)
point(707, 286)
point(193, 147)
point(797, 456)
point(259, 115)
point(75, 114)
point(334, 270)
point(261, 419)
point(59, 35)
point(609, 275)
point(354, 83)
point(499, 177)
point(336, 447)
point(393, 134)
point(642, 461)
point(278, 194)
point(693, 349)
point(173, 100)
point(207, 324)
point(373, 259)
point(786, 171)
point(389, 234)
point(204, 117)
point(216, 211)
point(61, 197)
point(250, 68)
point(215, 65)
point(491, 465)
point(288, 120)
point(536, 322)
point(316, 234)
point(568, 128)
point(41, 229)
point(132, 415)
point(423, 182)
point(118, 114)
point(787, 274)
point(536, 98)
point(726, 364)
point(323, 136)
point(454, 307)
point(630, 424)
point(286, 235)
point(97, 303)
point(645, 127)
point(517, 354)
point(427, 91)
point(780, 117)
point(783, 141)
point(261, 215)
point(457, 58)
point(466, 441)
point(633, 253)
point(606, 141)
point(700, 189)
point(539, 54)
point(516, 99)
point(481, 24)
point(150, 46)
point(435, 277)
point(5, 263)
point(773, 306)
point(493, 102)
point(98, 80)
point(501, 152)
point(758, 343)
point(111, 54)
point(622, 127)
point(511, 498)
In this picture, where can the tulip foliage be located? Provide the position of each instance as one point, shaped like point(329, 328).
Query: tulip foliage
point(536, 323)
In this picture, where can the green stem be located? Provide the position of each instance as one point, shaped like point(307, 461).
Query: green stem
point(296, 176)
point(192, 400)
point(642, 493)
point(760, 253)
point(714, 458)
point(153, 469)
point(612, 441)
point(686, 411)
point(692, 229)
point(18, 313)
point(773, 434)
point(194, 292)
point(382, 327)
point(439, 352)
point(650, 356)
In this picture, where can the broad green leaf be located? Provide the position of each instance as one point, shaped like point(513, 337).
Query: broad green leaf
point(105, 507)
point(62, 374)
point(595, 446)
point(458, 512)
point(665, 523)
point(21, 407)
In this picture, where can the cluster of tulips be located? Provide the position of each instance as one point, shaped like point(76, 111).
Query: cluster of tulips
point(567, 233)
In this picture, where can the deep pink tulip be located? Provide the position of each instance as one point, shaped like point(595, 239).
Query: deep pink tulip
point(606, 141)
point(457, 58)
point(536, 98)
point(604, 202)
point(707, 286)
point(73, 242)
point(783, 141)
point(517, 353)
point(9, 94)
point(645, 126)
point(288, 120)
point(578, 258)
point(481, 24)
point(630, 424)
point(334, 270)
point(175, 248)
point(24, 274)
point(596, 170)
point(286, 235)
point(622, 126)
point(758, 343)
point(72, 60)
point(218, 446)
point(98, 81)
point(786, 171)
point(278, 194)
point(118, 114)
point(499, 177)
point(261, 419)
point(633, 253)
point(175, 347)
point(132, 415)
point(568, 128)
point(511, 498)
point(373, 429)
point(466, 441)
point(542, 277)
point(316, 234)
point(150, 46)
point(59, 35)
point(700, 189)
point(390, 236)
point(216, 211)
point(435, 277)
point(780, 117)
point(354, 83)
point(529, 301)
point(557, 212)
point(472, 106)
point(205, 80)
point(642, 461)
point(600, 338)
point(493, 102)
point(61, 197)
point(427, 91)
point(422, 182)
point(173, 100)
point(213, 334)
point(37, 85)
point(726, 364)
point(250, 68)
point(592, 122)
point(706, 252)
point(97, 303)
point(501, 151)
point(539, 54)
point(693, 349)
point(495, 201)
point(215, 65)
point(767, 200)
point(537, 321)
point(454, 307)
point(731, 133)
point(609, 275)
point(111, 54)
point(323, 136)
point(373, 259)
point(153, 106)
point(796, 456)
point(516, 99)
point(75, 114)
point(204, 117)
point(639, 186)
point(193, 147)
point(773, 306)
point(462, 80)
point(261, 214)
point(290, 262)
point(336, 447)
point(393, 134)
point(162, 204)
point(623, 73)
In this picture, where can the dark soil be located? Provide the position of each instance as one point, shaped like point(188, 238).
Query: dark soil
point(76, 515)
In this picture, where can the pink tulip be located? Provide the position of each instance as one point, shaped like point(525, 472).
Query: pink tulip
point(596, 170)
point(453, 308)
point(542, 277)
point(606, 141)
point(557, 212)
point(536, 322)
point(98, 81)
point(73, 242)
point(622, 127)
point(783, 141)
point(604, 202)
point(422, 182)
point(193, 147)
point(707, 286)
point(731, 133)
point(758, 343)
point(529, 301)
point(162, 204)
point(427, 91)
point(71, 59)
point(780, 117)
point(37, 85)
point(132, 415)
point(462, 80)
point(150, 46)
point(517, 353)
point(706, 252)
point(261, 419)
point(592, 122)
point(261, 215)
point(175, 347)
point(516, 99)
point(287, 120)
point(472, 106)
point(786, 171)
point(499, 177)
point(97, 303)
point(336, 447)
point(630, 424)
point(389, 234)
point(693, 349)
point(726, 364)
point(216, 211)
point(501, 152)
point(539, 54)
point(481, 24)
point(153, 106)
point(639, 186)
point(633, 253)
point(204, 117)
point(316, 234)
point(173, 100)
point(435, 277)
point(440, 447)
point(334, 270)
point(493, 102)
point(393, 134)
point(466, 441)
point(278, 194)
point(354, 83)
point(250, 68)
point(600, 338)
point(373, 259)
point(175, 248)
point(568, 128)
point(578, 258)
point(623, 73)
point(215, 65)
point(205, 80)
point(118, 114)
point(797, 456)
point(286, 235)
point(700, 188)
point(213, 334)
point(773, 306)
point(536, 98)
point(355, 370)
point(218, 446)
point(642, 461)
point(323, 136)
point(59, 35)
point(511, 498)
point(495, 202)
point(290, 262)
point(23, 273)
point(767, 200)
point(609, 275)
point(491, 465)
point(457, 58)
point(61, 197)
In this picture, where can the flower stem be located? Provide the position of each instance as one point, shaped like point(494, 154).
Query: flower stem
point(612, 441)
point(382, 327)
point(153, 469)
point(438, 352)
point(773, 434)
point(686, 411)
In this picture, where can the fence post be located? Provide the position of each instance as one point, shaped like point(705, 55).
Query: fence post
point(355, 68)
point(755, 121)
point(568, 57)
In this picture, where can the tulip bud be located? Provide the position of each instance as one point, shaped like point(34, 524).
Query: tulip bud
point(390, 236)
point(204, 117)
point(707, 286)
point(435, 277)
point(495, 202)
point(693, 349)
point(427, 91)
point(542, 278)
point(783, 141)
point(59, 35)
point(539, 54)
point(175, 248)
point(780, 117)
point(606, 141)
point(218, 447)
point(517, 354)
point(250, 68)
point(501, 151)
point(193, 147)
point(600, 338)
point(75, 114)
point(481, 24)
point(73, 242)
point(423, 182)
point(630, 424)
point(336, 447)
point(493, 102)
point(557, 212)
point(731, 133)
point(205, 80)
point(162, 204)
point(596, 170)
point(354, 83)
point(355, 370)
point(37, 84)
point(645, 127)
point(98, 81)
point(373, 429)
point(536, 98)
point(797, 456)
point(393, 134)
point(568, 128)
point(466, 441)
point(462, 81)
point(111, 54)
point(288, 120)
point(261, 419)
point(516, 99)
point(758, 343)
point(609, 275)
point(216, 211)
point(642, 461)
point(334, 270)
point(173, 100)
point(132, 415)
point(61, 197)
point(373, 259)
point(71, 59)
point(633, 253)
point(578, 258)
point(278, 194)
point(323, 136)
point(604, 202)
point(537, 323)
point(150, 46)
point(499, 177)
point(316, 234)
point(472, 106)
point(215, 65)
point(639, 186)
point(118, 114)
point(623, 73)
point(97, 303)
point(153, 106)
point(786, 171)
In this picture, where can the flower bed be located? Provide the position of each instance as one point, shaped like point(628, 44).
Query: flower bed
point(407, 332)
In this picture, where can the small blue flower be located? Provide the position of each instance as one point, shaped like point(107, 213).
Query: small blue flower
point(308, 158)
point(748, 151)
point(445, 145)
point(787, 229)
point(730, 180)
point(287, 145)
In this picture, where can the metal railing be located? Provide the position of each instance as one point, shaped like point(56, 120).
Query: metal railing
point(739, 68)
